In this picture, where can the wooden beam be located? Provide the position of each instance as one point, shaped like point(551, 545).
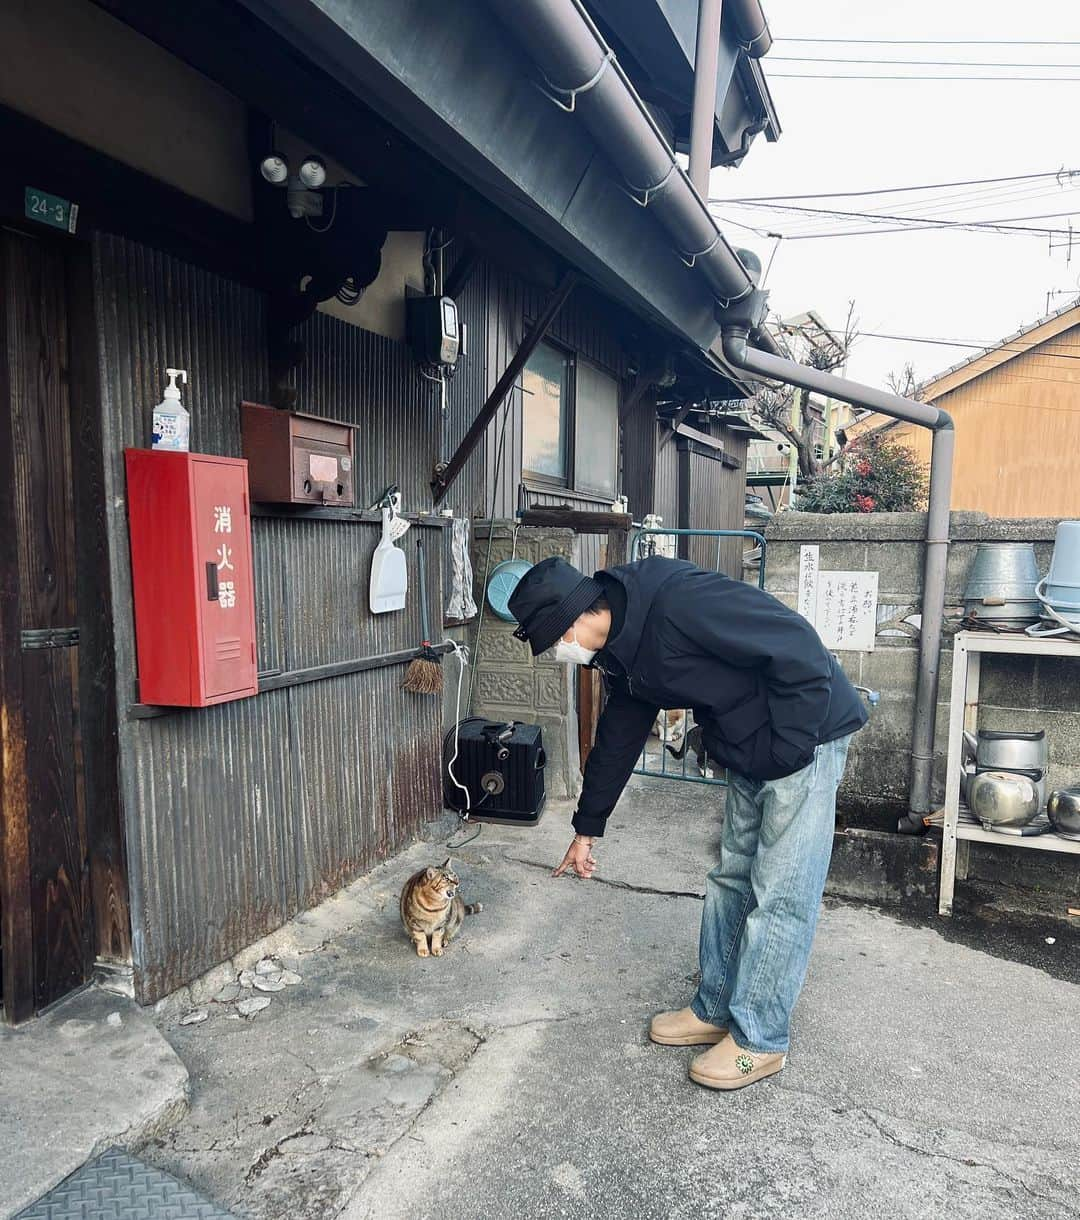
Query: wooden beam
point(106, 842)
point(682, 413)
point(702, 438)
point(462, 272)
point(618, 547)
point(16, 921)
point(642, 386)
point(445, 475)
point(578, 520)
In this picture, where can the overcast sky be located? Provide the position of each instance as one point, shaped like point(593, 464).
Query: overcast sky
point(852, 135)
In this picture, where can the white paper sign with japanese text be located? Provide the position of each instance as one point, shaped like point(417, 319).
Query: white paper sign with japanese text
point(841, 605)
point(847, 610)
point(808, 581)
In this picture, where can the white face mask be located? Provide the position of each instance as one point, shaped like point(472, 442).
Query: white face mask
point(574, 653)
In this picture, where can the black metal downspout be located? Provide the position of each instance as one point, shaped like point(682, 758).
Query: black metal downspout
point(764, 364)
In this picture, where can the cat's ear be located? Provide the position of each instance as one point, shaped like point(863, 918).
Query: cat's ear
point(429, 873)
point(446, 862)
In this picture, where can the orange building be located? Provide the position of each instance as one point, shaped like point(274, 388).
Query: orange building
point(1017, 412)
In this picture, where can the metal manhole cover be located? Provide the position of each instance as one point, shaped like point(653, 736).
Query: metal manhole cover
point(118, 1186)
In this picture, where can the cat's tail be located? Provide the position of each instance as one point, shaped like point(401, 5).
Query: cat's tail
point(473, 908)
point(678, 751)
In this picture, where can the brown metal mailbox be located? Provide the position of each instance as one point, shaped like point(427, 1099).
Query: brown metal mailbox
point(295, 458)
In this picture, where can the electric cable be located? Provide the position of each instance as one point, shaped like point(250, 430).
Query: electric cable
point(893, 190)
point(918, 63)
point(921, 77)
point(842, 213)
point(935, 42)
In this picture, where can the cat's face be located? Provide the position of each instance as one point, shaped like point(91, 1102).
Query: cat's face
point(443, 880)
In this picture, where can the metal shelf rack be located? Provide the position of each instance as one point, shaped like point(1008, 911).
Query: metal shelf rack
point(969, 648)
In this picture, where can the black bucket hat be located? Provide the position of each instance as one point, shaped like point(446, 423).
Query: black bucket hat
point(547, 601)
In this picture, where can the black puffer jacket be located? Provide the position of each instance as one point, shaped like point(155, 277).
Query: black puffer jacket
point(761, 684)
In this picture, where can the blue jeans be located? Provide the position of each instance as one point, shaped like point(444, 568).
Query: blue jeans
point(762, 899)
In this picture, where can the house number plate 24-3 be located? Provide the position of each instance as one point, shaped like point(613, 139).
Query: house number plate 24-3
point(50, 210)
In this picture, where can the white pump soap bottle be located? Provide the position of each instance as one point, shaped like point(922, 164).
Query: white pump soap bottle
point(172, 423)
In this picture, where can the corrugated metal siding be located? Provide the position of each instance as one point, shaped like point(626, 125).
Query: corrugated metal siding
point(666, 495)
point(584, 325)
point(639, 457)
point(467, 392)
point(504, 332)
point(236, 816)
point(732, 501)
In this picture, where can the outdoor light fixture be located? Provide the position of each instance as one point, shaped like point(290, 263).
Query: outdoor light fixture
point(312, 173)
point(302, 189)
point(275, 169)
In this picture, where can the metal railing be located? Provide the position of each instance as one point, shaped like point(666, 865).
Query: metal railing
point(656, 760)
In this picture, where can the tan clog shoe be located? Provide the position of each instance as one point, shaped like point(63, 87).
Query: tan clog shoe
point(728, 1066)
point(683, 1028)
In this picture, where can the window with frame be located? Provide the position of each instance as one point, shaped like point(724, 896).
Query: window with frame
point(571, 422)
point(546, 382)
point(596, 419)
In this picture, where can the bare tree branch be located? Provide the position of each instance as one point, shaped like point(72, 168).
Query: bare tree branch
point(773, 405)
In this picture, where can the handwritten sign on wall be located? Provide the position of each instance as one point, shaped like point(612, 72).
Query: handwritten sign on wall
point(841, 605)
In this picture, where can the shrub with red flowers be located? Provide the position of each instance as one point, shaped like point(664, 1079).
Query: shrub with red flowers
point(873, 475)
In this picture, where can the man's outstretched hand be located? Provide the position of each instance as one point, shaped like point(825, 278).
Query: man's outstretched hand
point(579, 858)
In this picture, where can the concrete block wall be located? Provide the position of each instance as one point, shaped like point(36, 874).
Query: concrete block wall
point(1016, 692)
point(510, 684)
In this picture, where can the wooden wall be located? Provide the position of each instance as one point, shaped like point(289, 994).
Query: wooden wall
point(1017, 434)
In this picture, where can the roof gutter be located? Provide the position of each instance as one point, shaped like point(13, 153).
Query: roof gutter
point(583, 77)
point(742, 356)
point(752, 29)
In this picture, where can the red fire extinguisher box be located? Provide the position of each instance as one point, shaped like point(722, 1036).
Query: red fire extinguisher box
point(191, 569)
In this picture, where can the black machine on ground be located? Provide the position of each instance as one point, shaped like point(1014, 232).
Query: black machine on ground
point(493, 771)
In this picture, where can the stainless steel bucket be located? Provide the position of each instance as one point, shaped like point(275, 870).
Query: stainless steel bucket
point(1001, 584)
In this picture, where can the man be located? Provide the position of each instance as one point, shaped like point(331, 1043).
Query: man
point(776, 709)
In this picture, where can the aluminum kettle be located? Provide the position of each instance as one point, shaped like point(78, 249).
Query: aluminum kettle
point(1007, 751)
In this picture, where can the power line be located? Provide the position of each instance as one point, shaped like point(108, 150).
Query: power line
point(927, 226)
point(919, 63)
point(930, 209)
point(922, 77)
point(936, 42)
point(989, 348)
point(916, 220)
point(999, 230)
point(894, 190)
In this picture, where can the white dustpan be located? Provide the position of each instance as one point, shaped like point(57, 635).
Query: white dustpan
point(389, 575)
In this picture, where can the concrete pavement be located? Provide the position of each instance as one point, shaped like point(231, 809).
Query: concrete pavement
point(512, 1076)
point(92, 1072)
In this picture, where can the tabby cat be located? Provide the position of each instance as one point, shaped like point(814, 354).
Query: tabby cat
point(432, 910)
point(693, 741)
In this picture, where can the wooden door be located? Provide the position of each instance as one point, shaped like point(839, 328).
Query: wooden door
point(45, 908)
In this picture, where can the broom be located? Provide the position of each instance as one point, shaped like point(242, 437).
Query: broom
point(424, 675)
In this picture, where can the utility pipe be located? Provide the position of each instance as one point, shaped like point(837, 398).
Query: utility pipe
point(703, 114)
point(742, 356)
